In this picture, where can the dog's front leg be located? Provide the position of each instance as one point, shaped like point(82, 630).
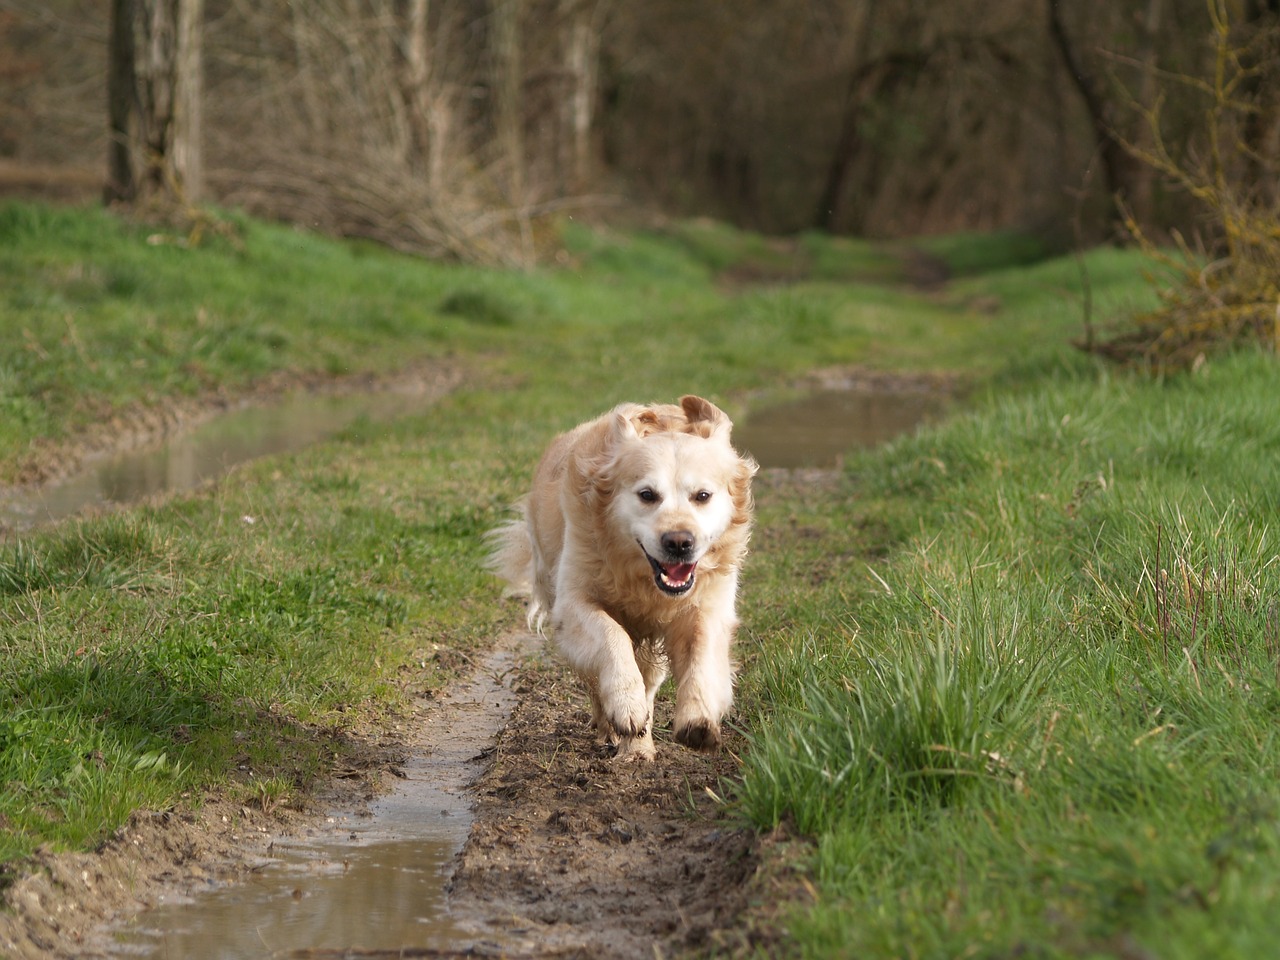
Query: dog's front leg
point(698, 646)
point(598, 647)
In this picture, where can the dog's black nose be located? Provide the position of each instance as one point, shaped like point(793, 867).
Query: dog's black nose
point(678, 543)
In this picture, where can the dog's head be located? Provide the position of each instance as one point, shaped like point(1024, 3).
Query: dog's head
point(673, 484)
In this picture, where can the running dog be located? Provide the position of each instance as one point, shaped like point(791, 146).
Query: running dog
point(630, 545)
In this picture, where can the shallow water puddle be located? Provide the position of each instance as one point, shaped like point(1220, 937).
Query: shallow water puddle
point(208, 451)
point(357, 883)
point(370, 893)
point(817, 430)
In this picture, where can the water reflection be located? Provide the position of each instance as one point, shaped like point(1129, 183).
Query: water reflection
point(205, 453)
point(380, 894)
point(817, 430)
point(355, 883)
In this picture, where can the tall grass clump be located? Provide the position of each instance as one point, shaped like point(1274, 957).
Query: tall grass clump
point(865, 732)
point(119, 551)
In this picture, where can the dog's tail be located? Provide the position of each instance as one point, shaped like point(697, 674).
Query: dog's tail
point(511, 558)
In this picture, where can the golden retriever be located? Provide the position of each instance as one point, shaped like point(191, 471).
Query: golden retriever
point(630, 544)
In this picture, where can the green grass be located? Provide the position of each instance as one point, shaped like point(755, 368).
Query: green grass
point(1046, 724)
point(155, 652)
point(968, 254)
point(100, 316)
point(1013, 678)
point(722, 249)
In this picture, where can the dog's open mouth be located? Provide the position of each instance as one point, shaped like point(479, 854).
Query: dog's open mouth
point(672, 578)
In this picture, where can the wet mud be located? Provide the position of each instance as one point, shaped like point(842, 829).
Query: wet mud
point(839, 411)
point(372, 877)
point(574, 853)
point(569, 853)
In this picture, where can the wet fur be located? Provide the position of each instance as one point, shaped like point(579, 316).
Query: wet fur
point(578, 548)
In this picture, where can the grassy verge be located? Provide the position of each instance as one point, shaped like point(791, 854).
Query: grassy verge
point(1046, 725)
point(1012, 676)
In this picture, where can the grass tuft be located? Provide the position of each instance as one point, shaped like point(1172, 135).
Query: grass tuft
point(1084, 629)
point(863, 733)
point(478, 306)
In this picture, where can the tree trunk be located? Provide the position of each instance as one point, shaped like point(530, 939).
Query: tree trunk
point(581, 54)
point(879, 78)
point(508, 78)
point(122, 182)
point(848, 140)
point(417, 77)
point(1110, 149)
point(188, 97)
point(862, 86)
point(1142, 187)
point(154, 90)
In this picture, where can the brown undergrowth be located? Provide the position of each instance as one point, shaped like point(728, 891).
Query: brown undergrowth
point(1227, 293)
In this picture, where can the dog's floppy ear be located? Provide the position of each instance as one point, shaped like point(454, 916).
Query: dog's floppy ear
point(621, 426)
point(590, 473)
point(700, 411)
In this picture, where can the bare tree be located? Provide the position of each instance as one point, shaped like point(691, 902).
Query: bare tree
point(581, 41)
point(872, 76)
point(154, 93)
point(450, 126)
point(366, 118)
point(1110, 148)
point(428, 110)
point(506, 59)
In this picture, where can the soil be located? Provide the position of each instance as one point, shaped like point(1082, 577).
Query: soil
point(571, 853)
point(575, 853)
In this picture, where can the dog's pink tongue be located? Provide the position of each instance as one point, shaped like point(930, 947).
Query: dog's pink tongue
point(678, 572)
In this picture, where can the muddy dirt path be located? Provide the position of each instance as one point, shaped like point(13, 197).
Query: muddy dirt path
point(570, 854)
point(575, 854)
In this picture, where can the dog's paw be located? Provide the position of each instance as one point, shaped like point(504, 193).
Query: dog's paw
point(700, 735)
point(627, 711)
point(605, 736)
point(634, 749)
point(635, 724)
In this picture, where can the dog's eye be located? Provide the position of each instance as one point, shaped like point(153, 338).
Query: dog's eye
point(702, 496)
point(647, 495)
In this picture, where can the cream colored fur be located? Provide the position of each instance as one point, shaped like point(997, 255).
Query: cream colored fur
point(624, 511)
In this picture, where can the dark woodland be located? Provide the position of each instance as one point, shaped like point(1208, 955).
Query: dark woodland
point(454, 127)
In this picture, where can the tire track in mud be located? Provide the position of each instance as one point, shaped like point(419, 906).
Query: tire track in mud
point(569, 853)
point(575, 854)
point(361, 880)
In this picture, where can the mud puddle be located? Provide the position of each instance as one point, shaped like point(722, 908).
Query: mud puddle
point(367, 881)
point(206, 452)
point(837, 416)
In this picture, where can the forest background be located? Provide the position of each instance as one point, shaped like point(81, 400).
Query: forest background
point(454, 127)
